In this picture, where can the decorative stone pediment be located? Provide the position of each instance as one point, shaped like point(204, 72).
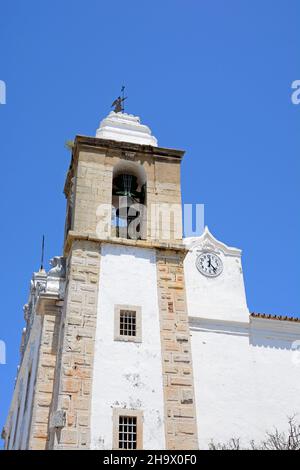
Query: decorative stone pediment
point(207, 242)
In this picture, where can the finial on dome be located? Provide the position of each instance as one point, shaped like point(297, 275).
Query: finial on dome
point(118, 104)
point(124, 127)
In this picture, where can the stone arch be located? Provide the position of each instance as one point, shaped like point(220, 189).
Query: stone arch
point(129, 200)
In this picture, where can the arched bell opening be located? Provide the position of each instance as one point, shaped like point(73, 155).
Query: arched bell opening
point(129, 200)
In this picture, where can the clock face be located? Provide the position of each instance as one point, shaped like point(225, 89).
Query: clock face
point(209, 264)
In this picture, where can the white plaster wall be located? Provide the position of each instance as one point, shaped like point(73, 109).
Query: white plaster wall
point(246, 379)
point(127, 374)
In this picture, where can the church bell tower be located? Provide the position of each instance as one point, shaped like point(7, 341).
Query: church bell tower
point(114, 369)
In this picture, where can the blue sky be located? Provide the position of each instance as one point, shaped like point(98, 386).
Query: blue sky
point(211, 77)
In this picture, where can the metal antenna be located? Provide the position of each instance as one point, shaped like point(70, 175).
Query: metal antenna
point(43, 250)
point(123, 99)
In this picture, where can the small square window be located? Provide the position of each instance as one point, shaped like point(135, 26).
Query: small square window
point(128, 323)
point(127, 429)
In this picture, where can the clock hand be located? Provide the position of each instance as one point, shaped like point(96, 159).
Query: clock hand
point(214, 267)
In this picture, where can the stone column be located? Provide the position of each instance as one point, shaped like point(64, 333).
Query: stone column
point(39, 432)
point(180, 410)
point(74, 376)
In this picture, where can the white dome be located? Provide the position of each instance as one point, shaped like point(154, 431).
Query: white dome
point(125, 128)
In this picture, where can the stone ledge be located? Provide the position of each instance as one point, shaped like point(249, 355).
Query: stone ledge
point(85, 141)
point(152, 244)
point(48, 300)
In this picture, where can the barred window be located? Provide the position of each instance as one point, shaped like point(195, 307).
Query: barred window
point(127, 429)
point(127, 432)
point(127, 323)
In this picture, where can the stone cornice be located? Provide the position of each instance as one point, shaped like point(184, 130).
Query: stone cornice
point(275, 325)
point(104, 144)
point(259, 325)
point(219, 326)
point(46, 301)
point(151, 244)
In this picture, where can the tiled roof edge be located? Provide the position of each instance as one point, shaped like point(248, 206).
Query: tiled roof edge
point(274, 317)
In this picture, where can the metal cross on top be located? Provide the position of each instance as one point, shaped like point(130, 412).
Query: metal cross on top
point(118, 103)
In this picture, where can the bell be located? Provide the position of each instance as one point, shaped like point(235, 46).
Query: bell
point(125, 185)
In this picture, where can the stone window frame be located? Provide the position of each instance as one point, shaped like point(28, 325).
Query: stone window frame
point(138, 322)
point(138, 414)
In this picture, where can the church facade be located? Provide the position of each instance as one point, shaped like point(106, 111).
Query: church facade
point(137, 338)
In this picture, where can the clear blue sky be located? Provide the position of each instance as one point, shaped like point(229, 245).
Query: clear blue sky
point(212, 77)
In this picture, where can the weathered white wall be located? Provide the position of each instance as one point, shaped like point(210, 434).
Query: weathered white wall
point(246, 379)
point(127, 374)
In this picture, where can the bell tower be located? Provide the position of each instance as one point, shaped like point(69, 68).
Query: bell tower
point(124, 375)
point(122, 185)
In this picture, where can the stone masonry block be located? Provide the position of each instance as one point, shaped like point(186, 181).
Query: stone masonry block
point(69, 436)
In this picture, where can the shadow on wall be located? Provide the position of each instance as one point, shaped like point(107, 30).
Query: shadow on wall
point(267, 340)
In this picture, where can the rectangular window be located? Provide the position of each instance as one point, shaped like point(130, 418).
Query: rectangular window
point(127, 429)
point(128, 323)
point(127, 432)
